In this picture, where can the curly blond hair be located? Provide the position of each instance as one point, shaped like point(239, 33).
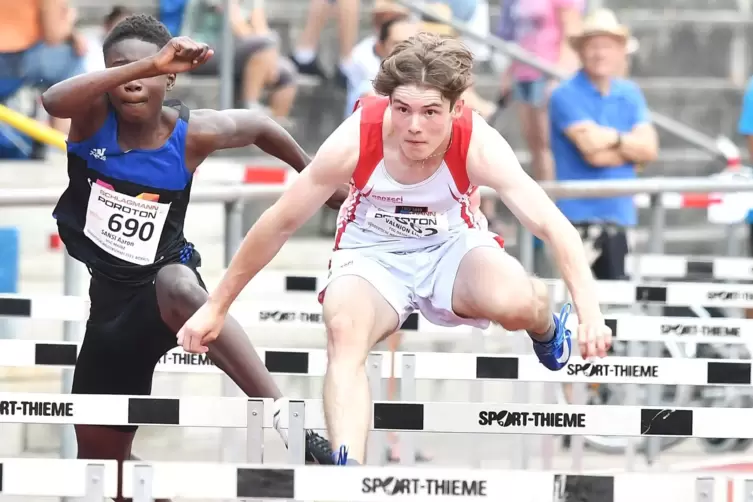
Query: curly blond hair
point(427, 60)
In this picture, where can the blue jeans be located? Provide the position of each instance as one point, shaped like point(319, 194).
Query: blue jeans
point(41, 65)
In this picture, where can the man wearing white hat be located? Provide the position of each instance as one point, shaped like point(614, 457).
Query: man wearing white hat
point(601, 130)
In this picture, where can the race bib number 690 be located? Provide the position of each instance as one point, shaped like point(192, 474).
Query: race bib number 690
point(125, 227)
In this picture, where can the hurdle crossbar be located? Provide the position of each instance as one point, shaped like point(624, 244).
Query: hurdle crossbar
point(296, 289)
point(428, 365)
point(437, 417)
point(719, 268)
point(147, 481)
point(366, 484)
point(288, 313)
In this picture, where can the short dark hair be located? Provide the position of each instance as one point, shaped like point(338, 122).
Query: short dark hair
point(141, 27)
point(427, 60)
point(386, 27)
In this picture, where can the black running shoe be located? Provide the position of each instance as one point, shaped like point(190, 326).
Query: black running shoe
point(318, 450)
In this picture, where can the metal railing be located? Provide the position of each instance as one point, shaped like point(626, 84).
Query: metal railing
point(668, 124)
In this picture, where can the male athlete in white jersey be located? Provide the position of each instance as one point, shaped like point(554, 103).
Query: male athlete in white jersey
point(408, 238)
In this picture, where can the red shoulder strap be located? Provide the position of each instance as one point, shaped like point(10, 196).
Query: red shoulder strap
point(457, 154)
point(371, 149)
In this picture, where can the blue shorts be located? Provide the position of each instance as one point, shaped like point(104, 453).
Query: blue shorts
point(41, 65)
point(531, 92)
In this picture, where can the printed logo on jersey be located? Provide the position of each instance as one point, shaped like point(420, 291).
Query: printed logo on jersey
point(407, 224)
point(98, 153)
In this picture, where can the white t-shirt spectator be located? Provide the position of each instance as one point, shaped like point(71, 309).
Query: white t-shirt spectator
point(364, 70)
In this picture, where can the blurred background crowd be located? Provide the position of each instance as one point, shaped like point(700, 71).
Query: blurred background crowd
point(306, 62)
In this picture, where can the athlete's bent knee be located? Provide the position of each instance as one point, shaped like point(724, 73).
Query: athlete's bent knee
point(526, 309)
point(178, 293)
point(346, 342)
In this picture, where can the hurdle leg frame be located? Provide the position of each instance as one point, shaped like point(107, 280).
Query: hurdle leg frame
point(408, 393)
point(95, 483)
point(377, 440)
point(656, 246)
point(296, 433)
point(255, 431)
point(143, 483)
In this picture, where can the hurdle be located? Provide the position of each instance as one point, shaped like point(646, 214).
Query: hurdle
point(433, 417)
point(147, 481)
point(412, 366)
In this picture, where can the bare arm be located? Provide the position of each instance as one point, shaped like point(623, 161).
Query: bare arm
point(606, 158)
point(641, 145)
point(570, 21)
point(492, 163)
point(83, 98)
point(332, 166)
point(212, 130)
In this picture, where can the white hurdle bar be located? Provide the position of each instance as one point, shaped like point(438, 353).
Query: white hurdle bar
point(412, 366)
point(691, 267)
point(299, 294)
point(146, 481)
point(434, 417)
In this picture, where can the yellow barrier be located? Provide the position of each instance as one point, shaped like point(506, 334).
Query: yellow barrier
point(33, 128)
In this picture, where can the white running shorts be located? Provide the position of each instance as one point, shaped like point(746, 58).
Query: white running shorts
point(421, 280)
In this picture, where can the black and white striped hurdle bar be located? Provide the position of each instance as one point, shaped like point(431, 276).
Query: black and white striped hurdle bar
point(291, 312)
point(304, 483)
point(283, 312)
point(436, 417)
point(430, 365)
point(690, 267)
point(146, 481)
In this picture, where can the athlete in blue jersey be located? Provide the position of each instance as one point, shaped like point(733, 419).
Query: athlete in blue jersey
point(131, 159)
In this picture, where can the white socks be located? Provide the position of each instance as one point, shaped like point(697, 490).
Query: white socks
point(280, 407)
point(304, 56)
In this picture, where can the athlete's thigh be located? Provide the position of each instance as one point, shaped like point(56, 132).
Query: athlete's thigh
point(363, 293)
point(484, 277)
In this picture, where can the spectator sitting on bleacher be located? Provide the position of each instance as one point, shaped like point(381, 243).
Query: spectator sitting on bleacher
point(257, 62)
point(305, 55)
point(38, 46)
point(368, 56)
point(601, 130)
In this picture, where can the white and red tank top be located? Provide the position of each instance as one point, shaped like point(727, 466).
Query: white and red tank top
point(383, 214)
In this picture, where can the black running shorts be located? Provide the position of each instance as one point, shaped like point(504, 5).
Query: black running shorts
point(125, 338)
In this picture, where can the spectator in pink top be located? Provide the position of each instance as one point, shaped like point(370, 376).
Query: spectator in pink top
point(541, 27)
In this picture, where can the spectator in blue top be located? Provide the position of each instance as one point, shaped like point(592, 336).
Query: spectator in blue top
point(601, 130)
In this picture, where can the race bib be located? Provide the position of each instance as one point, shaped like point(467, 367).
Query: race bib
point(408, 225)
point(125, 227)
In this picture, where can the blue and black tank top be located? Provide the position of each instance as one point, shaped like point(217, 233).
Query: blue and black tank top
point(122, 213)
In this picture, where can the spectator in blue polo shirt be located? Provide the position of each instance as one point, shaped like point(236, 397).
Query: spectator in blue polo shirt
point(601, 130)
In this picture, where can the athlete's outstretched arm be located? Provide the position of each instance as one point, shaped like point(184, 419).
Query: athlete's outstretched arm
point(492, 163)
point(332, 166)
point(83, 98)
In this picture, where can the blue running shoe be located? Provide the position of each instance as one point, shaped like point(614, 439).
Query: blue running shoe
point(341, 457)
point(555, 353)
